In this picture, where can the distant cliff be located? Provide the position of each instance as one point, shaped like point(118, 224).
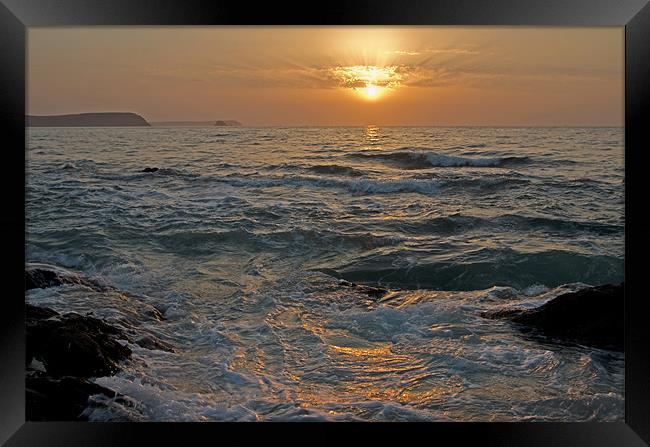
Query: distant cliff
point(227, 123)
point(108, 119)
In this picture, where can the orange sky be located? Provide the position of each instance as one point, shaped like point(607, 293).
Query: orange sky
point(332, 75)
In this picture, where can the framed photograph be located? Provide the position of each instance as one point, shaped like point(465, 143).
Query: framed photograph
point(370, 218)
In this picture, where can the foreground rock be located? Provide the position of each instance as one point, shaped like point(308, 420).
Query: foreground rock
point(65, 351)
point(73, 344)
point(593, 317)
point(41, 276)
point(59, 399)
point(62, 353)
point(371, 291)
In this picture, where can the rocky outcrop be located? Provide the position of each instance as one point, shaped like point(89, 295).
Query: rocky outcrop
point(592, 316)
point(41, 276)
point(227, 123)
point(371, 291)
point(60, 399)
point(64, 352)
point(103, 119)
point(152, 343)
point(73, 344)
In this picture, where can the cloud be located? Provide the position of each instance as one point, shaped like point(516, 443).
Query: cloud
point(359, 76)
point(404, 53)
point(434, 51)
point(425, 73)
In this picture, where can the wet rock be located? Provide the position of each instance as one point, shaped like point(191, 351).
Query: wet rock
point(41, 276)
point(38, 313)
point(149, 342)
point(59, 399)
point(593, 317)
point(62, 352)
point(154, 313)
point(72, 344)
point(371, 291)
point(65, 351)
point(147, 169)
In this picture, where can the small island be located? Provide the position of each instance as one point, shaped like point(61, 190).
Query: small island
point(103, 119)
point(228, 123)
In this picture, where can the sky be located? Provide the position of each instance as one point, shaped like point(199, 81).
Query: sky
point(297, 76)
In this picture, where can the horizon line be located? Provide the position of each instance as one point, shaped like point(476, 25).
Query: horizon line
point(203, 121)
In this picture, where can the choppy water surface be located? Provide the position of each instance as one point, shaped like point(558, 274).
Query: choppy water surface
point(241, 238)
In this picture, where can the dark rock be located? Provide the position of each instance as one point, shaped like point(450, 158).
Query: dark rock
point(38, 313)
point(59, 347)
point(59, 399)
point(227, 123)
point(371, 291)
point(153, 312)
point(150, 169)
point(72, 344)
point(40, 279)
point(149, 342)
point(593, 317)
point(41, 276)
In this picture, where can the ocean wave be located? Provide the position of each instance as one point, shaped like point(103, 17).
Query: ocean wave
point(485, 184)
point(301, 239)
point(482, 269)
point(364, 363)
point(424, 159)
point(175, 172)
point(336, 170)
point(358, 186)
point(459, 224)
point(140, 174)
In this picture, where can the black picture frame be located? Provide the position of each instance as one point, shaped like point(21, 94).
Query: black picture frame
point(17, 15)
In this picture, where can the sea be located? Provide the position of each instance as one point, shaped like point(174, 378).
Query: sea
point(250, 243)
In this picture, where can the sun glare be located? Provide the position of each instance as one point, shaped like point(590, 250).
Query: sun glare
point(369, 81)
point(371, 91)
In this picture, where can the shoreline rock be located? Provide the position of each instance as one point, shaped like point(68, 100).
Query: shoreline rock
point(592, 316)
point(72, 344)
point(63, 351)
point(371, 291)
point(41, 276)
point(60, 399)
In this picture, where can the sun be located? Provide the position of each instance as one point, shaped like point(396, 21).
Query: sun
point(368, 81)
point(371, 91)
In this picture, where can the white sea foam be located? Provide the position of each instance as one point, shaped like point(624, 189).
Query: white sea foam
point(215, 254)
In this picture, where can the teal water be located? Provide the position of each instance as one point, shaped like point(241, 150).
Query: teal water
point(242, 234)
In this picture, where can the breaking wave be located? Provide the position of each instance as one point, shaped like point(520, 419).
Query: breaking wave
point(424, 160)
